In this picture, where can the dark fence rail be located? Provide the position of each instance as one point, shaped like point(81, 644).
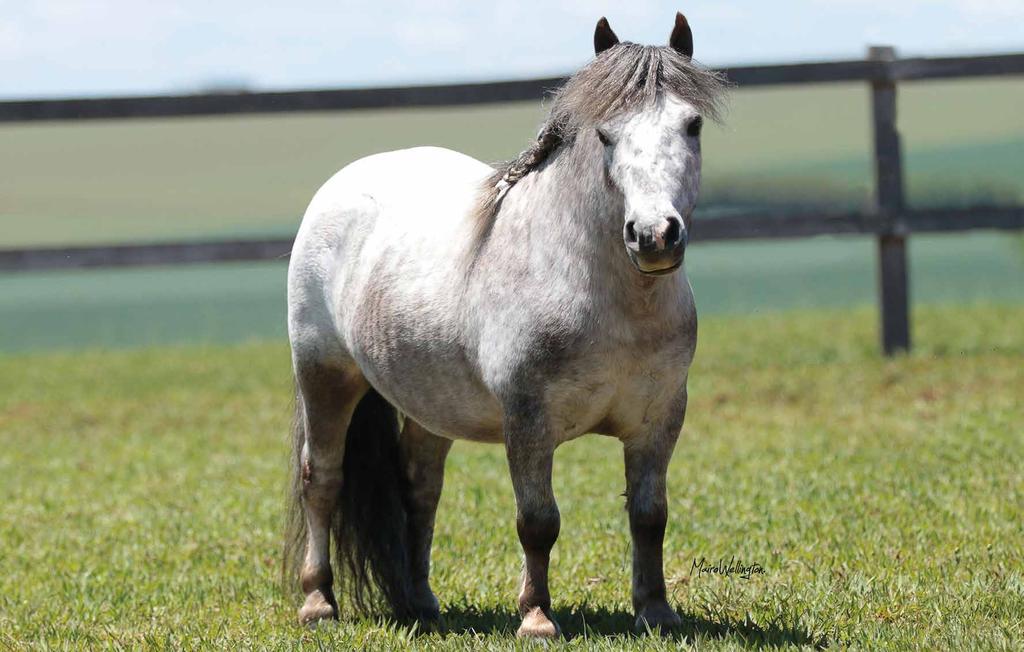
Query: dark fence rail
point(890, 221)
point(504, 91)
point(751, 226)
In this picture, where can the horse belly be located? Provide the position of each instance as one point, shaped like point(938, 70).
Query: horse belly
point(405, 342)
point(441, 394)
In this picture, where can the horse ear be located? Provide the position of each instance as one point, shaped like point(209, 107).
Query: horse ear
point(604, 37)
point(682, 38)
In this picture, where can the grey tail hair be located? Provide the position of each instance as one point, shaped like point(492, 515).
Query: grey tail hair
point(370, 523)
point(295, 532)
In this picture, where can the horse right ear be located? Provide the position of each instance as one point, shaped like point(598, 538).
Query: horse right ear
point(604, 37)
point(682, 37)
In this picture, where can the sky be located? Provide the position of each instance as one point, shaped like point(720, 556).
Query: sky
point(54, 48)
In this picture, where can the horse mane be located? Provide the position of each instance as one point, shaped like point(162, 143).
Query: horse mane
point(623, 78)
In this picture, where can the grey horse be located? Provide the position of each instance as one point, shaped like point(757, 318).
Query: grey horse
point(432, 297)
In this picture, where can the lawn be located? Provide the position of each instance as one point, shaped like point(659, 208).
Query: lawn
point(142, 492)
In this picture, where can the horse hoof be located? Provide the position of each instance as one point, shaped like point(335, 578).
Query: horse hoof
point(429, 624)
point(425, 604)
point(655, 616)
point(317, 608)
point(429, 619)
point(537, 624)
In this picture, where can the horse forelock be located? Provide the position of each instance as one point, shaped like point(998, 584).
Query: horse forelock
point(620, 80)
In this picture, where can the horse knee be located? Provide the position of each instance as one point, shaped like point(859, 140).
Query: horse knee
point(648, 517)
point(538, 528)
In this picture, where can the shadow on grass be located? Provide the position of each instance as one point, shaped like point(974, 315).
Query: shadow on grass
point(600, 622)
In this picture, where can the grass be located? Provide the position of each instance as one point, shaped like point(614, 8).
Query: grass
point(142, 492)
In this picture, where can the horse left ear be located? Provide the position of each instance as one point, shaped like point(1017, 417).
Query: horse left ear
point(604, 37)
point(682, 37)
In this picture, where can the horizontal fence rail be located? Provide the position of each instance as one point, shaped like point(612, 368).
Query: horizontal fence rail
point(751, 226)
point(159, 106)
point(890, 221)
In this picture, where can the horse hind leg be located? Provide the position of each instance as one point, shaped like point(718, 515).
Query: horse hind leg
point(423, 456)
point(327, 398)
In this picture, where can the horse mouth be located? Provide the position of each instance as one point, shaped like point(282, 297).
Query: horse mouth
point(659, 264)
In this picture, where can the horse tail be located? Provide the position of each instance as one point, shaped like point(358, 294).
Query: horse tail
point(371, 525)
point(295, 534)
point(370, 521)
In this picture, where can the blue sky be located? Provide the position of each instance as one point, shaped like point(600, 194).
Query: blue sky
point(97, 47)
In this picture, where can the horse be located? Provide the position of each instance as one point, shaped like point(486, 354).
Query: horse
point(433, 298)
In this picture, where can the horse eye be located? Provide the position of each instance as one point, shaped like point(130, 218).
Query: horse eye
point(603, 137)
point(693, 129)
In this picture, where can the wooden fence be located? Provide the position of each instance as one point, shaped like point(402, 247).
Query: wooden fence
point(889, 220)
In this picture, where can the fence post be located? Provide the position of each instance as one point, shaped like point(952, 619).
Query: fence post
point(894, 303)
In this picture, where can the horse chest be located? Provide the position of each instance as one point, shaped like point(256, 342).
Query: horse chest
point(620, 385)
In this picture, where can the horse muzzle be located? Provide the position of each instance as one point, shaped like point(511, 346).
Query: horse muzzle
point(656, 246)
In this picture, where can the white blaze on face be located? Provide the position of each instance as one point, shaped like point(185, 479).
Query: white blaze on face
point(654, 162)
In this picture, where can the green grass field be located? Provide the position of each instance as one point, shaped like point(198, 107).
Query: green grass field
point(142, 498)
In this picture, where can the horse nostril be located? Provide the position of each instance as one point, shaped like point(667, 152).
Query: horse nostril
point(631, 231)
point(674, 232)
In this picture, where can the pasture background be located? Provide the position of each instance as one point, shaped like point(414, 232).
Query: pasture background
point(141, 497)
point(193, 178)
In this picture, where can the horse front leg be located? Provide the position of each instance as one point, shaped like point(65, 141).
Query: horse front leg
point(647, 459)
point(530, 450)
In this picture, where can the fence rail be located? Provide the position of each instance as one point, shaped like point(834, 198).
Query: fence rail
point(890, 221)
point(751, 226)
point(504, 91)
